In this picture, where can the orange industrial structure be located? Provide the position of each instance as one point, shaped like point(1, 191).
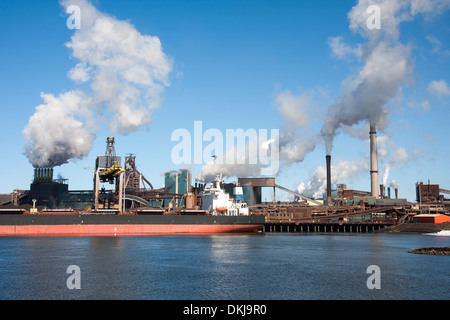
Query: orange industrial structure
point(431, 218)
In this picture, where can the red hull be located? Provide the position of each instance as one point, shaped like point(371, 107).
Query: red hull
point(122, 229)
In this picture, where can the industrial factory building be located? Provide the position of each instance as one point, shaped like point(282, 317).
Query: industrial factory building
point(130, 191)
point(431, 218)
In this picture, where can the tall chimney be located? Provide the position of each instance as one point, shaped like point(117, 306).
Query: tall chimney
point(396, 193)
point(328, 158)
point(381, 191)
point(373, 161)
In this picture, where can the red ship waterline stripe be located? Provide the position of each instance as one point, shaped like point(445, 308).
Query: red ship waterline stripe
point(112, 230)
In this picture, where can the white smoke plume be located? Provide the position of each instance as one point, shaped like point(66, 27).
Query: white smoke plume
point(399, 156)
point(292, 142)
point(393, 184)
point(385, 63)
point(293, 108)
point(55, 133)
point(379, 81)
point(393, 13)
point(290, 150)
point(295, 142)
point(127, 72)
point(240, 166)
point(342, 171)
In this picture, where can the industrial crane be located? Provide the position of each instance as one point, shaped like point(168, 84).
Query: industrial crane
point(112, 167)
point(108, 169)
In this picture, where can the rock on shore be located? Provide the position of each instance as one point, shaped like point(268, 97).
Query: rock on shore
point(444, 251)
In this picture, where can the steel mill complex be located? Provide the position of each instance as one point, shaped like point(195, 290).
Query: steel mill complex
point(123, 201)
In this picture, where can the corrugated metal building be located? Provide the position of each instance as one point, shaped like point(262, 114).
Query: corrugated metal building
point(431, 218)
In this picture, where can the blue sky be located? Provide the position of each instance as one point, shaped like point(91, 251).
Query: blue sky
point(230, 61)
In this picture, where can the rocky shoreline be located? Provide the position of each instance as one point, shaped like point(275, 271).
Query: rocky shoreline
point(443, 251)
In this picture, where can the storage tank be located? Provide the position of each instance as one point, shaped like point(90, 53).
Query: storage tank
point(190, 201)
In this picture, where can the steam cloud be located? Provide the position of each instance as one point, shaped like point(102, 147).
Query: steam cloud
point(385, 64)
point(126, 71)
point(55, 134)
point(243, 168)
point(384, 68)
point(399, 156)
point(343, 170)
point(293, 143)
point(379, 80)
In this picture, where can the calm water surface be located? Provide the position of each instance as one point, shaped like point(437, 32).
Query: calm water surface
point(224, 267)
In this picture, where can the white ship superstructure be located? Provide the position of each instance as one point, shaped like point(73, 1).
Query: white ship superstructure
point(219, 202)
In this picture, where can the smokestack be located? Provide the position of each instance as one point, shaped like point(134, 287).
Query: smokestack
point(381, 191)
point(328, 158)
point(373, 161)
point(396, 193)
point(389, 192)
point(43, 175)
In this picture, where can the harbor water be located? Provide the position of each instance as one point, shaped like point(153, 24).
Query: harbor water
point(274, 266)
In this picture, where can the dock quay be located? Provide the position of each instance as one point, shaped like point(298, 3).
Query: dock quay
point(311, 227)
point(339, 219)
point(347, 219)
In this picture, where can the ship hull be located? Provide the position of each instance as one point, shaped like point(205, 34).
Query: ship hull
point(115, 225)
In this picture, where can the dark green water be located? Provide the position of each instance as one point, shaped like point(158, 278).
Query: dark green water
point(224, 267)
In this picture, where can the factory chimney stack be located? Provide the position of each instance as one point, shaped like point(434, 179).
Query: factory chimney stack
point(373, 161)
point(328, 158)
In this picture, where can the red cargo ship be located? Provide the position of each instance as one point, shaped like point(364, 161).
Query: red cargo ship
point(107, 224)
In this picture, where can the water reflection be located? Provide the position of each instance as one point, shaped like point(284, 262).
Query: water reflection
point(264, 266)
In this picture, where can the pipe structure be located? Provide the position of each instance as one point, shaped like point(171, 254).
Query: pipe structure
point(43, 175)
point(373, 161)
point(328, 158)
